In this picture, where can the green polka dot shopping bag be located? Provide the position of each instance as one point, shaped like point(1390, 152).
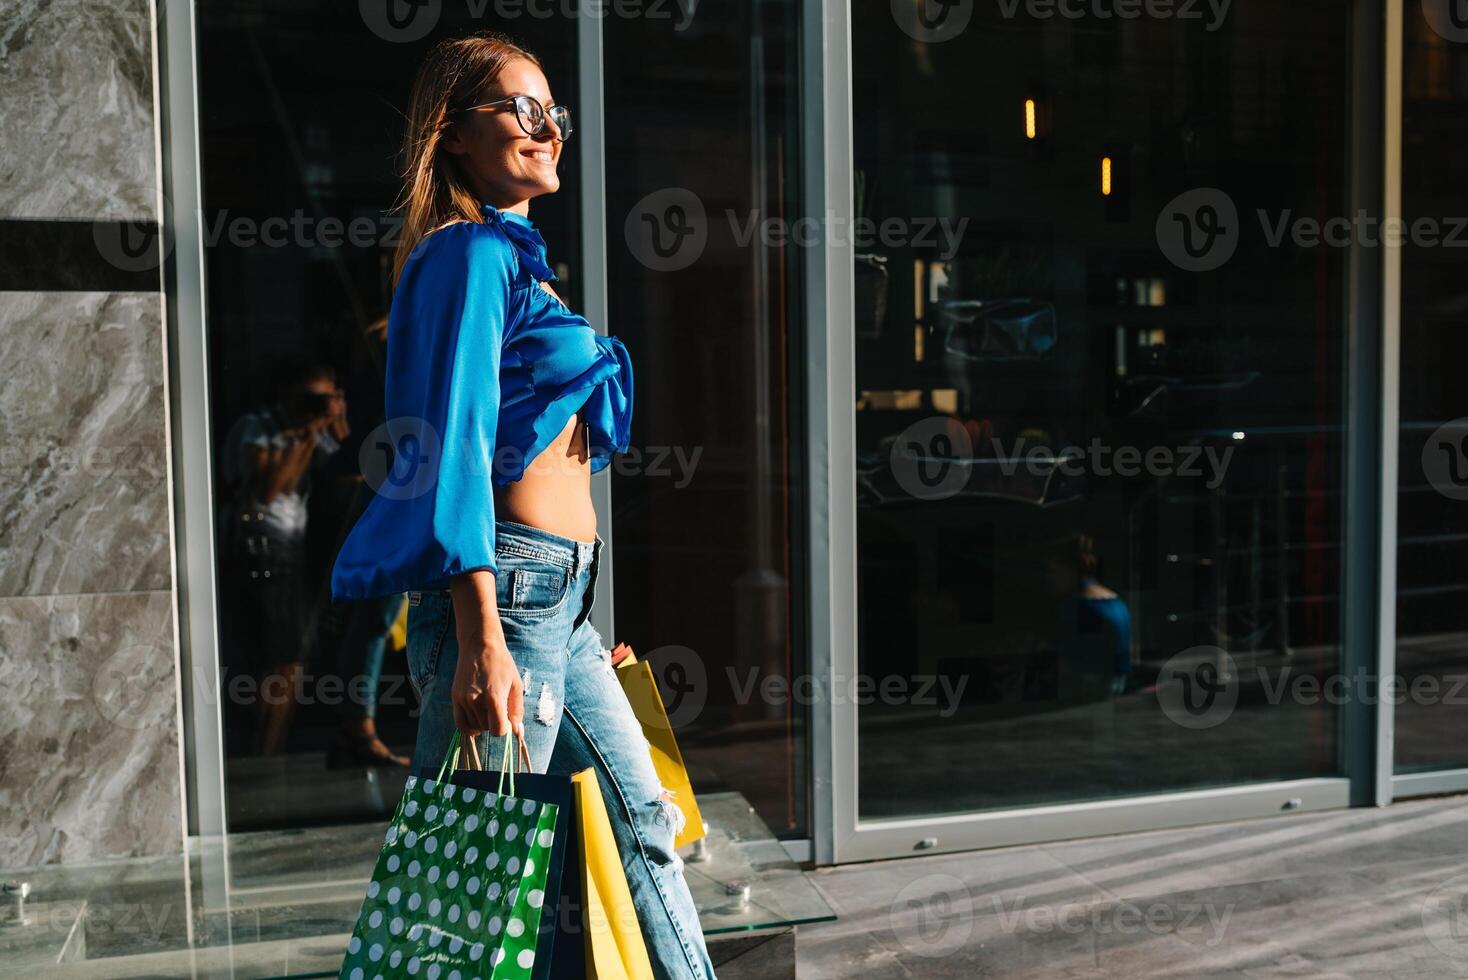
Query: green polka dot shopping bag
point(459, 890)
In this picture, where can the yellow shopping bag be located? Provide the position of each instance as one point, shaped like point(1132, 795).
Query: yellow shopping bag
point(397, 637)
point(615, 949)
point(641, 688)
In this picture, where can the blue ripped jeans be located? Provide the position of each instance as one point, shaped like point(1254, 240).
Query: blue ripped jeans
point(576, 717)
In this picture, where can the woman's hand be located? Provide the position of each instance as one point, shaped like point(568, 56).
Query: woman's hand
point(487, 694)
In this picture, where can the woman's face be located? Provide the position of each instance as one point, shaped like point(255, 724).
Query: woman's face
point(504, 166)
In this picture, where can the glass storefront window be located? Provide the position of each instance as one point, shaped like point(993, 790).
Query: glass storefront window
point(702, 161)
point(1432, 618)
point(301, 136)
point(1099, 402)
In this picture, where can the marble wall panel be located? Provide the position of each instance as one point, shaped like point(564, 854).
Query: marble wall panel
point(89, 750)
point(83, 460)
point(76, 110)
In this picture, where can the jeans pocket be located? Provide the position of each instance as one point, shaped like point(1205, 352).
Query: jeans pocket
point(530, 586)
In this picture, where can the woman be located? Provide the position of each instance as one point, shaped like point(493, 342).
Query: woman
point(501, 403)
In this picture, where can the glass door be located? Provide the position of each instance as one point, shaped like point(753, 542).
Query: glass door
point(689, 116)
point(1099, 323)
point(705, 283)
point(1431, 703)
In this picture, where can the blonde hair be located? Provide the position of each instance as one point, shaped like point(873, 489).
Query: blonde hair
point(452, 77)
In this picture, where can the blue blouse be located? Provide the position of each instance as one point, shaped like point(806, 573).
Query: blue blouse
point(484, 369)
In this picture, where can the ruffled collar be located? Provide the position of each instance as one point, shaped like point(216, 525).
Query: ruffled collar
point(526, 239)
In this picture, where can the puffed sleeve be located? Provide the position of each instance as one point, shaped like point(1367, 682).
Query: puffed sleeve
point(432, 514)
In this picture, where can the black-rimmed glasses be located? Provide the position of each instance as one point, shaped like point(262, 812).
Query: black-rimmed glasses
point(532, 116)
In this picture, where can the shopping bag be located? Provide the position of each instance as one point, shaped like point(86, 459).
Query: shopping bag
point(460, 883)
point(615, 949)
point(591, 927)
point(397, 636)
point(561, 952)
point(641, 688)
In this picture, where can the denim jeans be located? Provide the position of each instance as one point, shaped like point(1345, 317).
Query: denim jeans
point(576, 717)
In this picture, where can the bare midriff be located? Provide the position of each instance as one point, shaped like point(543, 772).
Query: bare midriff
point(555, 492)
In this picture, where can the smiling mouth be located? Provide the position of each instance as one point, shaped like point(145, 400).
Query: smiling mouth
point(541, 156)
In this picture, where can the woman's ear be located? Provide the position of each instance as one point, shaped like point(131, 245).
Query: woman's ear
point(452, 141)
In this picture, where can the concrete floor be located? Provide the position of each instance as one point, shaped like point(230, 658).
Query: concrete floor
point(1361, 893)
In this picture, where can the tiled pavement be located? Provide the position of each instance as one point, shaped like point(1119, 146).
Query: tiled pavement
point(1360, 893)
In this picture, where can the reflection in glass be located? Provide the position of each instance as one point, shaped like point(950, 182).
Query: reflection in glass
point(1098, 408)
point(701, 157)
point(1432, 516)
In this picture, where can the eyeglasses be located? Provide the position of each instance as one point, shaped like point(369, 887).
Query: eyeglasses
point(532, 116)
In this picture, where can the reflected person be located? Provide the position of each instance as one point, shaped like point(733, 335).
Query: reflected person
point(266, 467)
point(1095, 623)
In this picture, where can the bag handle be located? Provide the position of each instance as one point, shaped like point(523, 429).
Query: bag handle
point(474, 762)
point(455, 749)
point(521, 758)
point(451, 755)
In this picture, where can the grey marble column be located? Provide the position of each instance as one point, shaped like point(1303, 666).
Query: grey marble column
point(90, 757)
point(76, 110)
